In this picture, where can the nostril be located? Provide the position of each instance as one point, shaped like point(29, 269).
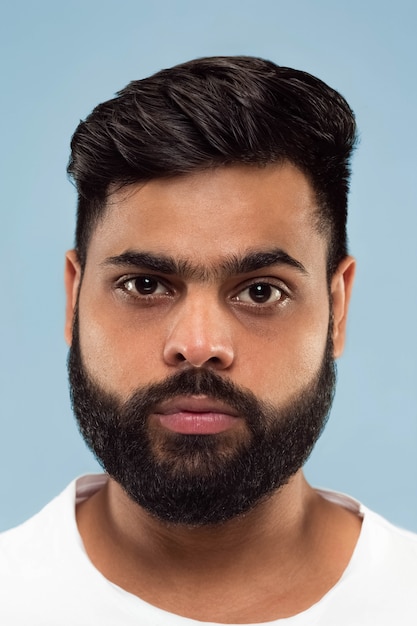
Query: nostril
point(214, 360)
point(197, 352)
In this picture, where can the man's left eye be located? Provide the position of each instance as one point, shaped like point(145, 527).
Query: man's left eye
point(260, 293)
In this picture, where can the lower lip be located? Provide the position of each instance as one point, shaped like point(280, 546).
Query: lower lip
point(187, 423)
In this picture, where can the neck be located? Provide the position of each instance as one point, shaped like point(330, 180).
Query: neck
point(283, 542)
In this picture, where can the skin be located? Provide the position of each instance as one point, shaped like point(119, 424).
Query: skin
point(295, 545)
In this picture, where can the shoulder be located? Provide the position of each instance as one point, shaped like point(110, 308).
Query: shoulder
point(379, 584)
point(383, 550)
point(397, 546)
point(45, 537)
point(30, 543)
point(43, 565)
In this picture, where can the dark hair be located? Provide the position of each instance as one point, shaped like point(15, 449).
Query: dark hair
point(211, 112)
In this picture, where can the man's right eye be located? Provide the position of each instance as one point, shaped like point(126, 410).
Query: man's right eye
point(144, 286)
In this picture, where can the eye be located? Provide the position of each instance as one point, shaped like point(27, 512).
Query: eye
point(260, 293)
point(144, 286)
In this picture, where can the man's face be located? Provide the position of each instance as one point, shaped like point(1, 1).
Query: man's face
point(204, 332)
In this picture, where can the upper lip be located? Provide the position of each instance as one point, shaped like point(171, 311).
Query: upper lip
point(194, 404)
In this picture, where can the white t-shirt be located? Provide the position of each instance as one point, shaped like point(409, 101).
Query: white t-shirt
point(46, 578)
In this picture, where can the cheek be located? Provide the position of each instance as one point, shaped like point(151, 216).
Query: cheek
point(282, 363)
point(118, 355)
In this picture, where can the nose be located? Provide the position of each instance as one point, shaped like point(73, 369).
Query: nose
point(200, 335)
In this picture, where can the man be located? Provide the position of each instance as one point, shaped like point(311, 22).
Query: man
point(207, 298)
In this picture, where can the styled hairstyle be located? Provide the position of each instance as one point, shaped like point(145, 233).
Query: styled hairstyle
point(215, 112)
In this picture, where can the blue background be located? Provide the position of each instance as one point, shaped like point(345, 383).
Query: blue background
point(58, 60)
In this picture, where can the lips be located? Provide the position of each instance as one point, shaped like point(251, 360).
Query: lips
point(196, 415)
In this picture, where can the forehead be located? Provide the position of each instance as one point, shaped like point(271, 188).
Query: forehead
point(212, 214)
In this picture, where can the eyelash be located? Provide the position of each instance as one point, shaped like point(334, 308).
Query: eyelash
point(150, 298)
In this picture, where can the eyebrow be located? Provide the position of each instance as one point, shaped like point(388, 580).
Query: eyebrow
point(230, 266)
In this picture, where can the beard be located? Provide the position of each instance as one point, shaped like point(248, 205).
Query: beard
point(193, 479)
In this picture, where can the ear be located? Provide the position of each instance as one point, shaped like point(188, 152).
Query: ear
point(72, 285)
point(341, 288)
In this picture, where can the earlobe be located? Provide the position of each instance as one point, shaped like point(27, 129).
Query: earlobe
point(72, 285)
point(341, 288)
